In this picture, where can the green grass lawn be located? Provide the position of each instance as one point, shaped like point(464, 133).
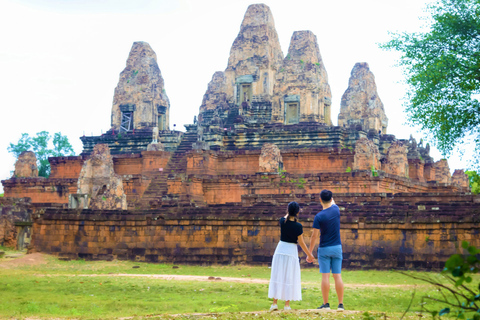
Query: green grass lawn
point(56, 289)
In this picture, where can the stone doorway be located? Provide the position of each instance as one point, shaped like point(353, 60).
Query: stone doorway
point(245, 93)
point(161, 122)
point(292, 113)
point(24, 234)
point(127, 121)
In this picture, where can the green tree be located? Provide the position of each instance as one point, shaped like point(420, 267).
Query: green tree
point(40, 145)
point(474, 179)
point(442, 69)
point(459, 292)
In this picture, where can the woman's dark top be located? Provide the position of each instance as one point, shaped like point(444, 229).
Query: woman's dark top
point(290, 230)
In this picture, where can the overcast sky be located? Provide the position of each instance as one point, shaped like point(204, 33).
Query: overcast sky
point(60, 60)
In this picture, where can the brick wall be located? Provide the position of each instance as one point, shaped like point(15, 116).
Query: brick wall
point(14, 215)
point(384, 234)
point(135, 169)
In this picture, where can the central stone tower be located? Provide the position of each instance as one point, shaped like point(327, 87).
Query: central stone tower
point(260, 86)
point(254, 59)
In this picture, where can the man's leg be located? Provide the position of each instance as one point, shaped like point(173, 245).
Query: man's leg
point(325, 265)
point(337, 276)
point(338, 286)
point(325, 286)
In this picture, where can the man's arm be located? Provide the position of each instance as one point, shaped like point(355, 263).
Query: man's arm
point(313, 239)
point(302, 244)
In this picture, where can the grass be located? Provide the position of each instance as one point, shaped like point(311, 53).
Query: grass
point(56, 289)
point(9, 250)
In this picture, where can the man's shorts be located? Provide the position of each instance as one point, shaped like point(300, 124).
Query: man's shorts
point(330, 258)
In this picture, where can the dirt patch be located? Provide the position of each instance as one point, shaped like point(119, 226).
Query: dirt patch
point(177, 277)
point(25, 260)
point(252, 314)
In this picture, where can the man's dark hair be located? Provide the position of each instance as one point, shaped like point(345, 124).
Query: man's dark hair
point(326, 195)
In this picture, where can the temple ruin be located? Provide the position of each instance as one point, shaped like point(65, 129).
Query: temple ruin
point(264, 137)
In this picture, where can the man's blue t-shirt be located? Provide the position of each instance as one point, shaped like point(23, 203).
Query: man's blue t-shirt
point(328, 221)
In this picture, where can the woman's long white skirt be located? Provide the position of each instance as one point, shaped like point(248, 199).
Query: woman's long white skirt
point(285, 281)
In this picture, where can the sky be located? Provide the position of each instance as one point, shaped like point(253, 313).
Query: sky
point(60, 60)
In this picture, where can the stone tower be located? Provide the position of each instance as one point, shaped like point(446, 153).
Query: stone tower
point(140, 101)
point(361, 106)
point(255, 57)
point(302, 92)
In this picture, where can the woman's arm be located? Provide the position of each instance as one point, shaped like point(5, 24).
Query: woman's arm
point(302, 244)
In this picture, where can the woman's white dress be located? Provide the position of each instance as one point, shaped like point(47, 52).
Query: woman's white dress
point(285, 281)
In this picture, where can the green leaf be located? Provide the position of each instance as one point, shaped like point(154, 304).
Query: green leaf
point(472, 260)
point(472, 250)
point(464, 244)
point(454, 261)
point(444, 311)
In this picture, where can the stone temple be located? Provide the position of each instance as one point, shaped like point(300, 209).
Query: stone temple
point(263, 137)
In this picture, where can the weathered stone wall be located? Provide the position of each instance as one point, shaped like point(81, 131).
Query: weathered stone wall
point(460, 178)
point(442, 171)
point(26, 165)
point(299, 161)
point(15, 222)
point(135, 170)
point(378, 234)
point(366, 155)
point(131, 142)
point(270, 159)
point(65, 167)
point(231, 188)
point(40, 190)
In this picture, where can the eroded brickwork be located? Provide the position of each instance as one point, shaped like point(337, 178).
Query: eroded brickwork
point(378, 231)
point(14, 220)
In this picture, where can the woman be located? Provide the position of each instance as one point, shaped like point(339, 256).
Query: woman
point(285, 283)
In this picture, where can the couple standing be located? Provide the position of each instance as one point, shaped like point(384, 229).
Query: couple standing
point(285, 281)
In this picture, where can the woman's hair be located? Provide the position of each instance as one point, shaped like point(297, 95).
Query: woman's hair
point(292, 210)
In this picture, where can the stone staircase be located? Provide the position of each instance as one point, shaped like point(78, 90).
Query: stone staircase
point(157, 190)
point(232, 115)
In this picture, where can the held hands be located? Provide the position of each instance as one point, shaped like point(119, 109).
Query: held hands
point(310, 258)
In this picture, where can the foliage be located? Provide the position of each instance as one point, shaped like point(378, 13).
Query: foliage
point(474, 179)
point(348, 169)
point(459, 295)
point(442, 69)
point(374, 171)
point(41, 146)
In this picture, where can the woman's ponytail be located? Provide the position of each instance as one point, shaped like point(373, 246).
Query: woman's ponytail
point(292, 210)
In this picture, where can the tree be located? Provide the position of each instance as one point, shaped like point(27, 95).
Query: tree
point(442, 69)
point(474, 179)
point(40, 146)
point(458, 293)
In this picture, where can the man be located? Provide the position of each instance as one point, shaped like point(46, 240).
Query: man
point(330, 256)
